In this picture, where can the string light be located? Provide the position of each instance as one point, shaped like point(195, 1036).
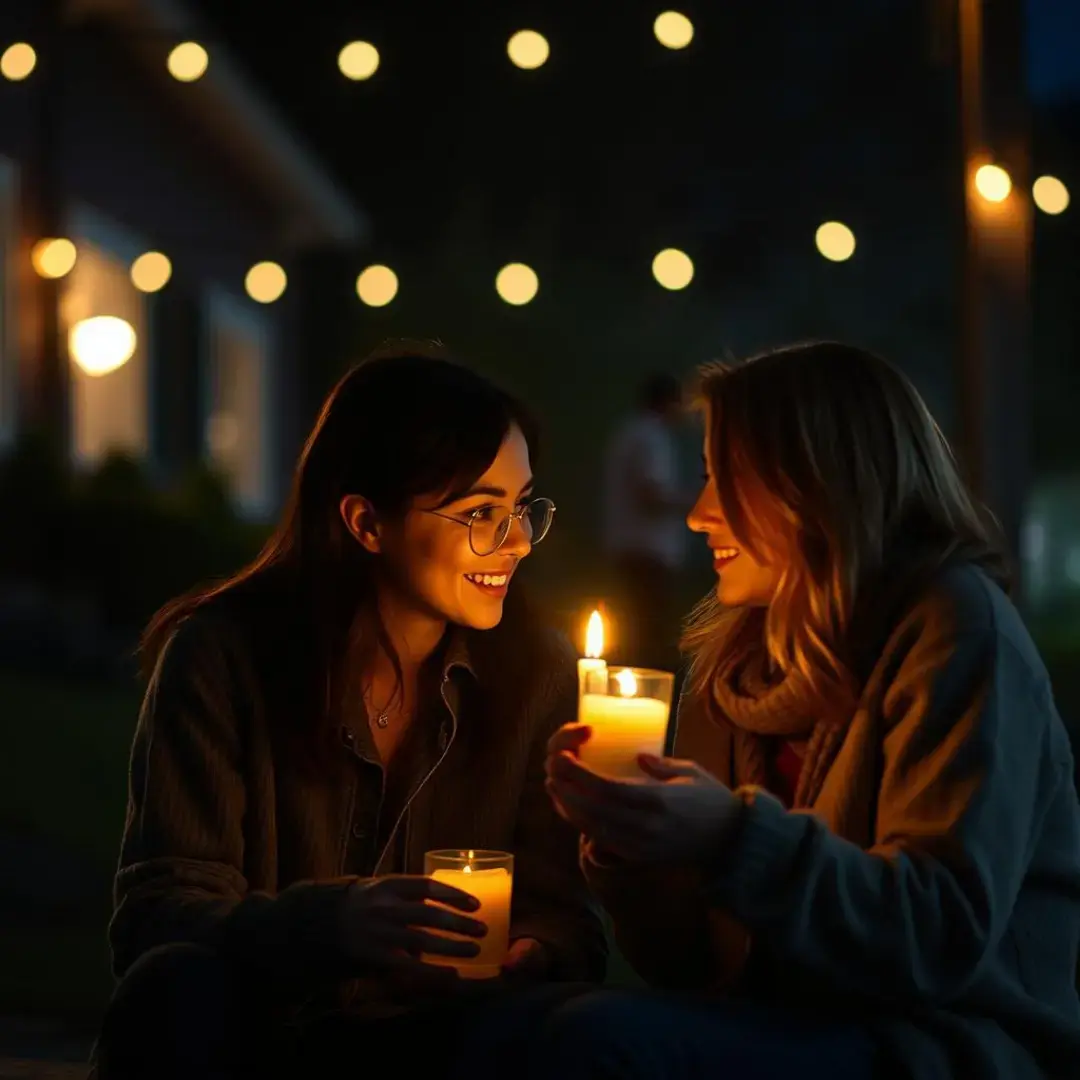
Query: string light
point(265, 282)
point(377, 286)
point(528, 49)
point(18, 61)
point(673, 269)
point(835, 241)
point(517, 284)
point(151, 271)
point(673, 30)
point(188, 61)
point(1050, 194)
point(359, 60)
point(53, 257)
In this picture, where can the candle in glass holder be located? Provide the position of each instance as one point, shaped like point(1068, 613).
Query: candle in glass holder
point(489, 876)
point(628, 713)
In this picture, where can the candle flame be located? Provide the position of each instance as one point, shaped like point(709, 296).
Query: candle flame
point(594, 636)
point(467, 868)
point(627, 683)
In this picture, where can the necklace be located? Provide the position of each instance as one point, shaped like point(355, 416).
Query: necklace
point(382, 719)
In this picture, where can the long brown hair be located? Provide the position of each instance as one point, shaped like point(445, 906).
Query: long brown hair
point(407, 421)
point(826, 458)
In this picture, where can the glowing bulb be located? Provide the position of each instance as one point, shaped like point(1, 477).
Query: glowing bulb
point(188, 61)
point(517, 283)
point(992, 182)
point(528, 49)
point(594, 636)
point(53, 257)
point(151, 271)
point(377, 286)
point(673, 268)
point(627, 682)
point(265, 282)
point(1050, 194)
point(18, 61)
point(358, 60)
point(835, 241)
point(673, 30)
point(101, 344)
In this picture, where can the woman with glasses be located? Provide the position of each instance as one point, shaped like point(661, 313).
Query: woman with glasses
point(370, 688)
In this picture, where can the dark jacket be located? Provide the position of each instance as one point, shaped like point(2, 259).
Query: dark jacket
point(933, 893)
point(230, 842)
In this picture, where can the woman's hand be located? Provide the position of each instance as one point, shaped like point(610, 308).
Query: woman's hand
point(679, 813)
point(387, 923)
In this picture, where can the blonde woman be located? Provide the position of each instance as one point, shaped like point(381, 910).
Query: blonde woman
point(865, 859)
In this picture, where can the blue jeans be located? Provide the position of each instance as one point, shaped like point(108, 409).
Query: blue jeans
point(630, 1035)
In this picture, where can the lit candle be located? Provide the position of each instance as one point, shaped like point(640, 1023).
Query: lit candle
point(594, 651)
point(628, 714)
point(489, 876)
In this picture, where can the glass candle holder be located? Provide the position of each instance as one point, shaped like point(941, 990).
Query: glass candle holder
point(489, 876)
point(628, 710)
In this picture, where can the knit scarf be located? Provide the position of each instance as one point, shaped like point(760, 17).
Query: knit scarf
point(757, 708)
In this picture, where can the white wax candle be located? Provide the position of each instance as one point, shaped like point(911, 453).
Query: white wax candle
point(622, 728)
point(493, 888)
point(587, 664)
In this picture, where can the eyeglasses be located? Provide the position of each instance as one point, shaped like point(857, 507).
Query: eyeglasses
point(489, 526)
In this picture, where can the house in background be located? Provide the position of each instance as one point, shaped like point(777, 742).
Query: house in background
point(143, 176)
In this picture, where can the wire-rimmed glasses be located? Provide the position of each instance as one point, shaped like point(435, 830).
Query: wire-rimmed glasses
point(489, 526)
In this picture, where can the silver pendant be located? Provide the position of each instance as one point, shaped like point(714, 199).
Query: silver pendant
point(382, 720)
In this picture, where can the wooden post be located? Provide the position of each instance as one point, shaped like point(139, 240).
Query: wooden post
point(993, 383)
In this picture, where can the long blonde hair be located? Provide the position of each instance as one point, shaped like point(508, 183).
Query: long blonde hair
point(827, 461)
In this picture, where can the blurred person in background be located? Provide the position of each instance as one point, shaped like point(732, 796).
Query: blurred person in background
point(371, 687)
point(644, 532)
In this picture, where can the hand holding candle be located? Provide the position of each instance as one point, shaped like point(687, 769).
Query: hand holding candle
point(488, 876)
point(627, 710)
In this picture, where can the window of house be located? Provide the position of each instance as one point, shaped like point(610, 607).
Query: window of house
point(109, 412)
point(9, 242)
point(239, 399)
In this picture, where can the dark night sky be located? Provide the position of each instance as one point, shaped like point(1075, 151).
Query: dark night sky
point(624, 123)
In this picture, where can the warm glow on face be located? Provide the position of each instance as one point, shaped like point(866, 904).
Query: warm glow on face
point(993, 183)
point(188, 61)
point(53, 257)
point(101, 344)
point(265, 282)
point(627, 682)
point(1050, 194)
point(151, 271)
point(528, 49)
point(673, 269)
point(377, 286)
point(835, 241)
point(673, 30)
point(358, 60)
point(18, 61)
point(594, 637)
point(517, 284)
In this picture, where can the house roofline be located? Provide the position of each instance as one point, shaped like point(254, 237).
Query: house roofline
point(264, 147)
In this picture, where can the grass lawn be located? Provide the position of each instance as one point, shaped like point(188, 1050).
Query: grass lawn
point(63, 779)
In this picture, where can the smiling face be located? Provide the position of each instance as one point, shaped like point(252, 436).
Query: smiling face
point(428, 561)
point(745, 578)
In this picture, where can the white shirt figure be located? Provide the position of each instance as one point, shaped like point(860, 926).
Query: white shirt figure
point(644, 500)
